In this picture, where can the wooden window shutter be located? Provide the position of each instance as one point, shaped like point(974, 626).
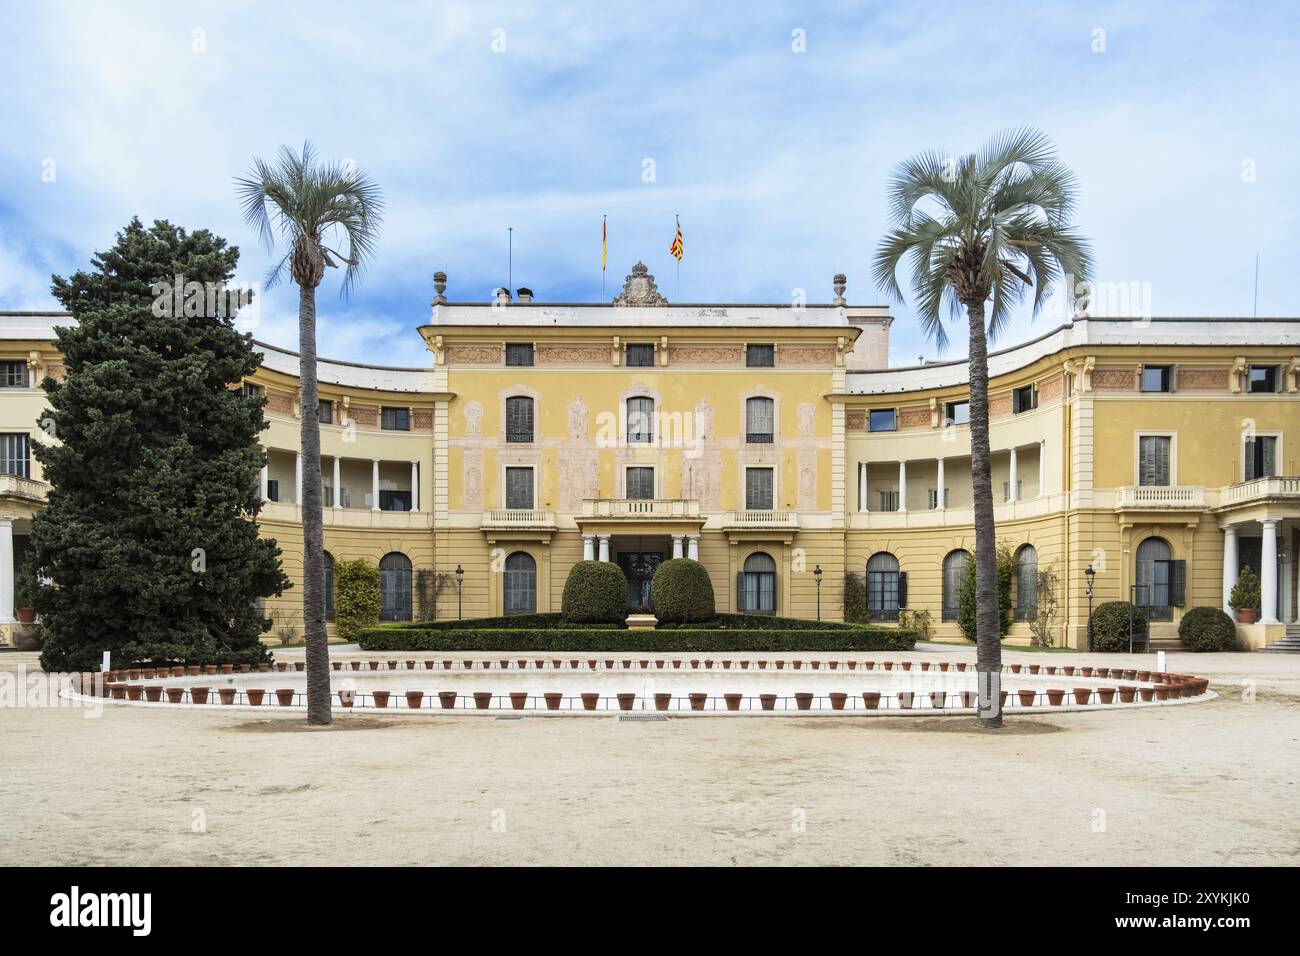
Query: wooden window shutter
point(902, 589)
point(1178, 583)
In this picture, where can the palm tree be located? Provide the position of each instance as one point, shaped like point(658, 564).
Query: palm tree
point(312, 205)
point(989, 224)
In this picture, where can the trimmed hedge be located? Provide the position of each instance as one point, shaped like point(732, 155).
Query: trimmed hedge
point(1110, 626)
point(1207, 629)
point(682, 640)
point(594, 592)
point(532, 622)
point(681, 592)
point(763, 622)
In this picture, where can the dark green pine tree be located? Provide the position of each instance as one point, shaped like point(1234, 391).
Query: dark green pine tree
point(149, 542)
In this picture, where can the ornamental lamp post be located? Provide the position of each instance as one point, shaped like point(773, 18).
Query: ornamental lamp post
point(1090, 573)
point(460, 577)
point(817, 576)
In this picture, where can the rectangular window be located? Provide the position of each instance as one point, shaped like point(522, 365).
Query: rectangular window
point(272, 489)
point(760, 356)
point(14, 375)
point(1263, 378)
point(1006, 490)
point(249, 390)
point(14, 455)
point(760, 421)
point(641, 421)
point(884, 419)
point(934, 498)
point(640, 483)
point(1024, 399)
point(395, 419)
point(758, 489)
point(1157, 378)
point(519, 419)
point(1153, 460)
point(956, 413)
point(889, 501)
point(325, 412)
point(327, 495)
point(519, 353)
point(519, 488)
point(391, 500)
point(640, 355)
point(1260, 457)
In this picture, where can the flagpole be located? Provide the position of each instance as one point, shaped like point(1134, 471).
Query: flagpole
point(678, 293)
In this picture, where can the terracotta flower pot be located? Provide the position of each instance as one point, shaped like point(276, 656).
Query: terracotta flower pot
point(1162, 691)
point(708, 663)
point(662, 701)
point(428, 665)
point(698, 700)
point(1026, 697)
point(677, 665)
point(133, 692)
point(281, 666)
point(1015, 668)
point(767, 701)
point(148, 673)
point(733, 701)
point(871, 698)
point(905, 698)
point(695, 664)
point(355, 665)
point(1055, 697)
point(245, 668)
point(832, 664)
point(853, 665)
point(414, 699)
point(803, 700)
point(410, 665)
point(726, 665)
point(762, 665)
point(1033, 668)
point(591, 665)
point(133, 673)
point(609, 665)
point(300, 665)
point(518, 699)
point(1050, 671)
point(264, 668)
point(573, 665)
point(337, 665)
point(589, 701)
point(1246, 615)
point(522, 664)
point(553, 699)
point(1146, 693)
point(1127, 693)
point(907, 665)
point(780, 665)
point(210, 668)
point(255, 695)
point(373, 665)
point(227, 695)
point(961, 666)
point(644, 664)
point(482, 699)
point(1002, 698)
point(869, 665)
point(796, 664)
point(447, 699)
point(815, 664)
point(557, 664)
point(193, 670)
point(117, 691)
point(227, 668)
point(446, 665)
point(1087, 672)
point(284, 696)
point(744, 665)
point(1082, 695)
point(175, 695)
point(943, 665)
point(626, 701)
point(938, 699)
point(347, 697)
point(153, 694)
point(380, 697)
point(925, 665)
point(969, 698)
point(1069, 670)
point(659, 664)
point(199, 695)
point(1106, 695)
point(888, 665)
point(837, 700)
point(1144, 676)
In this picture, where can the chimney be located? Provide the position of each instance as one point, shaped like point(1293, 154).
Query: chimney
point(503, 296)
point(524, 294)
point(440, 287)
point(840, 282)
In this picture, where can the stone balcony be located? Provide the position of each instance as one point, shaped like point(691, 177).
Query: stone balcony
point(1160, 498)
point(1276, 488)
point(15, 487)
point(349, 517)
point(518, 518)
point(640, 509)
point(760, 519)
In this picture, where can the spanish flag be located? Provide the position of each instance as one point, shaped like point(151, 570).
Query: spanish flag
point(677, 249)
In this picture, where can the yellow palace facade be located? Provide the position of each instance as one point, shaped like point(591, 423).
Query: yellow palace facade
point(774, 444)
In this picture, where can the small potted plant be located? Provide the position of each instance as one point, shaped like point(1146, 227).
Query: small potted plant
point(1244, 598)
point(25, 585)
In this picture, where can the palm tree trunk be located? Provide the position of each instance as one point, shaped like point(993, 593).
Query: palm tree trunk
point(988, 631)
point(313, 535)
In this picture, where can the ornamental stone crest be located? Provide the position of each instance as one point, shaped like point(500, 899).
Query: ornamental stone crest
point(640, 288)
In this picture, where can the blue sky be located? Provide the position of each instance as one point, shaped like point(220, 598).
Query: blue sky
point(1184, 131)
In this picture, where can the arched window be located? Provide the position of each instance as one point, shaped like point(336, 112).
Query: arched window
point(1153, 565)
point(395, 587)
point(883, 591)
point(641, 420)
point(954, 569)
point(757, 585)
point(1026, 583)
point(521, 584)
point(519, 419)
point(329, 586)
point(760, 420)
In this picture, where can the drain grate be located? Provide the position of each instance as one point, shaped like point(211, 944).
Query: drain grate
point(510, 717)
point(642, 717)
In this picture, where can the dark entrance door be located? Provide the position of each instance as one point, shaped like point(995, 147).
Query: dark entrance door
point(639, 567)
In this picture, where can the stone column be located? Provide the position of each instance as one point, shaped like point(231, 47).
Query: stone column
point(7, 570)
point(1285, 614)
point(297, 477)
point(862, 487)
point(1268, 573)
point(1012, 493)
point(338, 483)
point(604, 547)
point(677, 546)
point(415, 486)
point(588, 547)
point(1229, 564)
point(693, 547)
point(1042, 467)
point(940, 503)
point(374, 484)
point(902, 486)
point(263, 477)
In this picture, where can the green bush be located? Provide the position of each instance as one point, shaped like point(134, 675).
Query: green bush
point(594, 592)
point(681, 592)
point(726, 621)
point(682, 640)
point(1110, 627)
point(854, 597)
point(966, 594)
point(1245, 593)
point(535, 621)
point(356, 597)
point(1207, 629)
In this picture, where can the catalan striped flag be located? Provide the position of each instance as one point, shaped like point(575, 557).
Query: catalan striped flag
point(603, 247)
point(677, 249)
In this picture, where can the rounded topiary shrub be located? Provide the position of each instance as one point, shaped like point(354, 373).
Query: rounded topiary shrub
point(595, 592)
point(1110, 626)
point(1207, 629)
point(681, 592)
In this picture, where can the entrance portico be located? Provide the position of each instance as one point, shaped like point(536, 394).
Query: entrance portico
point(1260, 521)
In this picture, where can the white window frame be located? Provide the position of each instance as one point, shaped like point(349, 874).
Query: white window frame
point(1278, 450)
point(1173, 454)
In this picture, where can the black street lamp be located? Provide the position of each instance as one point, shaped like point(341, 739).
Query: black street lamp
point(1090, 573)
point(460, 576)
point(817, 575)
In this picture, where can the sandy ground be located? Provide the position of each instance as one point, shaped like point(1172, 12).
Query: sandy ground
point(1205, 784)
